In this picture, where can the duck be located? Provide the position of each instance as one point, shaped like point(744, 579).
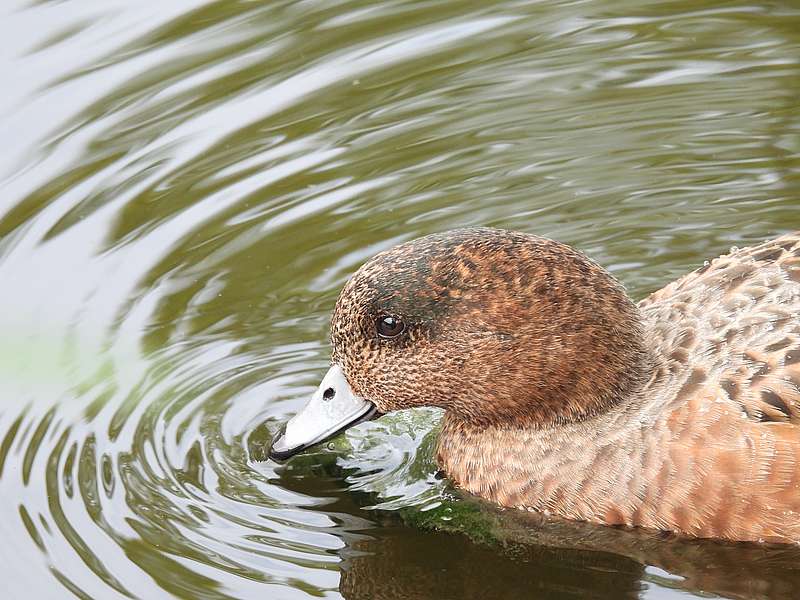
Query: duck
point(563, 396)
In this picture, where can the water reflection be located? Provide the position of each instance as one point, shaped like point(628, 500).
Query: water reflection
point(394, 562)
point(185, 187)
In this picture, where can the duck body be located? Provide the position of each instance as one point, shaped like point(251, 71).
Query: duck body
point(709, 447)
point(562, 396)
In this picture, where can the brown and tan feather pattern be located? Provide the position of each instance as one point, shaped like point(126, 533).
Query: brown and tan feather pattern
point(562, 396)
point(710, 447)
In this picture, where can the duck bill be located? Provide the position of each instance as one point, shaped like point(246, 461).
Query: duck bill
point(332, 409)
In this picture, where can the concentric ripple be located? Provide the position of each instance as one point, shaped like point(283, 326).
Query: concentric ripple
point(187, 184)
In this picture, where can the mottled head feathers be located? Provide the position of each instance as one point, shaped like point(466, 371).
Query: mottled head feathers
point(498, 328)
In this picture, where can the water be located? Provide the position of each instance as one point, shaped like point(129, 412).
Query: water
point(187, 184)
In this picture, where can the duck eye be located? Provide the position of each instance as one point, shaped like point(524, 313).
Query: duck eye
point(389, 327)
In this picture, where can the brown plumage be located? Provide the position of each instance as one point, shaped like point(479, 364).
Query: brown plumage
point(562, 396)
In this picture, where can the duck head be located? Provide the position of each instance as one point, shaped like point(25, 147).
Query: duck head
point(498, 328)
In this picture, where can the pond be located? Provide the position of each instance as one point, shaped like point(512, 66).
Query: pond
point(186, 185)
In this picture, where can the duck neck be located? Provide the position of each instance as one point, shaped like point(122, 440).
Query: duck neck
point(574, 469)
point(537, 463)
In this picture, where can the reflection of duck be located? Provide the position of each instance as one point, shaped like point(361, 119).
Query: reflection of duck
point(562, 395)
point(406, 563)
point(549, 558)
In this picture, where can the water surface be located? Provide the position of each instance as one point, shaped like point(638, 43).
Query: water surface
point(187, 184)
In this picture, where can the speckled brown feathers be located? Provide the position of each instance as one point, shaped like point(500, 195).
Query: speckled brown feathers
point(502, 328)
point(562, 396)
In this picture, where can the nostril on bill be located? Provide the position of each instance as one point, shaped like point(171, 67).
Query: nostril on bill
point(328, 394)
